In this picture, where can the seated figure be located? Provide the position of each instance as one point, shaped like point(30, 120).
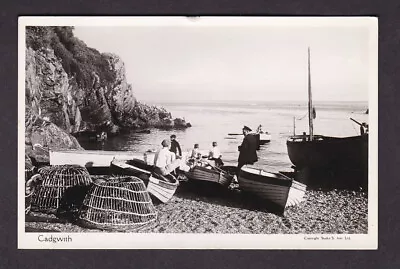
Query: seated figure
point(165, 161)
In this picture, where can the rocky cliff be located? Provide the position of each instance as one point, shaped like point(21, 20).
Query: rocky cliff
point(72, 89)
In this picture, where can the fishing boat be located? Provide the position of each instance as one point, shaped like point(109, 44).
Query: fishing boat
point(161, 187)
point(96, 161)
point(262, 137)
point(265, 137)
point(325, 152)
point(207, 172)
point(275, 188)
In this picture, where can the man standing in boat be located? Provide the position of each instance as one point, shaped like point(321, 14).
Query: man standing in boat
point(248, 149)
point(175, 147)
point(164, 160)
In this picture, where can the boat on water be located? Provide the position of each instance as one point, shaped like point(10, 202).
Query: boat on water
point(275, 188)
point(265, 137)
point(319, 152)
point(161, 187)
point(205, 172)
point(96, 161)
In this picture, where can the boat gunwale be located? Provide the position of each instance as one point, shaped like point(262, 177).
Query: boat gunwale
point(281, 180)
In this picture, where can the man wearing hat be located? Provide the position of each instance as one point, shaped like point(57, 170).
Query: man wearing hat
point(165, 161)
point(248, 154)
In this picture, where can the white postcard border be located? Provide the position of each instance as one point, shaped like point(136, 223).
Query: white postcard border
point(100, 240)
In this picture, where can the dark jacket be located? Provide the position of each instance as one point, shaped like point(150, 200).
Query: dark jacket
point(248, 154)
point(175, 148)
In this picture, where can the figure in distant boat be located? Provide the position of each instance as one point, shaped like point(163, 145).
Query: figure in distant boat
point(363, 128)
point(175, 147)
point(215, 155)
point(248, 149)
point(259, 129)
point(304, 137)
point(165, 161)
point(102, 136)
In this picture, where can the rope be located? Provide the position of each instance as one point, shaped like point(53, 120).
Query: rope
point(302, 117)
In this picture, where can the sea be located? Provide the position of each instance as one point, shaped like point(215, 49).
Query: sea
point(213, 121)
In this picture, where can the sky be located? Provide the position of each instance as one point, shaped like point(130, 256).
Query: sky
point(238, 62)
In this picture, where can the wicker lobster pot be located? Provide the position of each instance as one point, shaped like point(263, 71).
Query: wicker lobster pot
point(63, 187)
point(118, 203)
point(211, 174)
point(29, 168)
point(28, 202)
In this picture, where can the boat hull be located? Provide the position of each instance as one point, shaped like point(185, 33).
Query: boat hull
point(211, 175)
point(161, 187)
point(329, 152)
point(275, 188)
point(264, 138)
point(89, 158)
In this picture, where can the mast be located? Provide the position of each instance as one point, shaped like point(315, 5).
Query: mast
point(310, 106)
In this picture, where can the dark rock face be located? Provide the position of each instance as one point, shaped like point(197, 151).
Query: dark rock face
point(73, 89)
point(42, 135)
point(56, 97)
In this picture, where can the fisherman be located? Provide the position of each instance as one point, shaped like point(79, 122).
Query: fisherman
point(175, 147)
point(165, 161)
point(215, 155)
point(248, 154)
point(259, 129)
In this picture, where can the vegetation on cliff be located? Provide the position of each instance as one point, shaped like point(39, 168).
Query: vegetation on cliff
point(82, 90)
point(78, 60)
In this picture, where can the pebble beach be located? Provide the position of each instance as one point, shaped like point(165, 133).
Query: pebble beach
point(199, 209)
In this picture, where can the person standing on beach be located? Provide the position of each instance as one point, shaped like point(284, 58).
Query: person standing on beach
point(164, 160)
point(248, 149)
point(175, 147)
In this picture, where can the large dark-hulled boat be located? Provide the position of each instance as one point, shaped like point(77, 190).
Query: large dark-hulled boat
point(320, 152)
point(333, 152)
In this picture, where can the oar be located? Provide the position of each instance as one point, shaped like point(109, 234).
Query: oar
point(216, 168)
point(234, 134)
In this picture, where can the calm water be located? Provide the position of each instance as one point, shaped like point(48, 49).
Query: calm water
point(213, 122)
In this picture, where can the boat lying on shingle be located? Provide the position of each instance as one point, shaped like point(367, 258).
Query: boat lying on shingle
point(210, 174)
point(276, 188)
point(162, 187)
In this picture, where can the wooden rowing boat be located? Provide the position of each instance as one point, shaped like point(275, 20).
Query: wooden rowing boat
point(276, 188)
point(96, 161)
point(161, 187)
point(211, 174)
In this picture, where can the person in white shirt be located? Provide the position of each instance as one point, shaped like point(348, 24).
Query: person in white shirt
point(165, 161)
point(215, 154)
point(195, 154)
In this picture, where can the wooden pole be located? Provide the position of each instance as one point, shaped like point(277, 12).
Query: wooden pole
point(294, 126)
point(310, 106)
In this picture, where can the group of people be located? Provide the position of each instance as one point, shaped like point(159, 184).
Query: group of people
point(214, 154)
point(169, 157)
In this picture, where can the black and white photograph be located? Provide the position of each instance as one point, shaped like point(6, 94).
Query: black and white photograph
point(198, 132)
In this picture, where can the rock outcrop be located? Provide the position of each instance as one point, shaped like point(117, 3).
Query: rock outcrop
point(73, 89)
point(41, 136)
point(57, 97)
